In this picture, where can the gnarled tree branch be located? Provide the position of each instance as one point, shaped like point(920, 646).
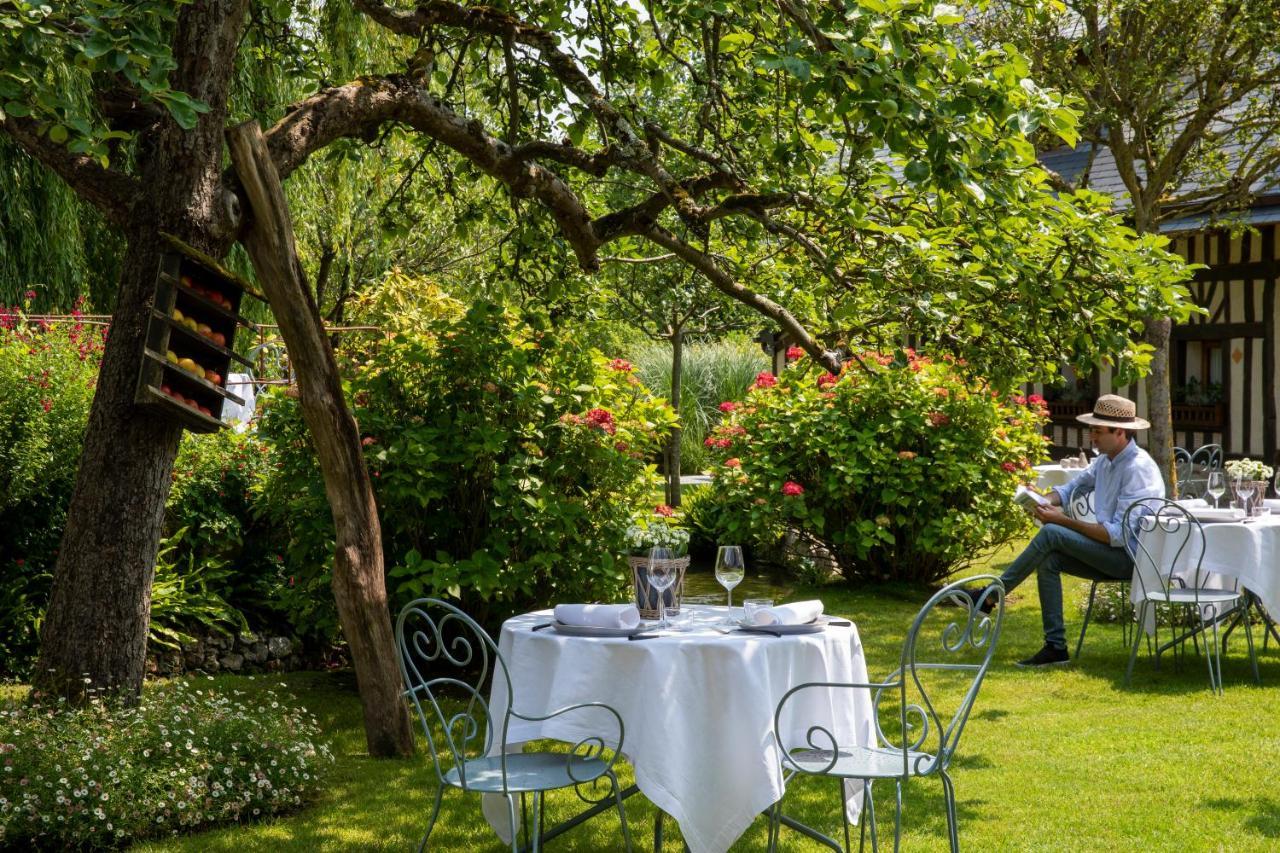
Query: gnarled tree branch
point(111, 192)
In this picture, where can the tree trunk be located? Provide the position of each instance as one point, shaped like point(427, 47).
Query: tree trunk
point(673, 442)
point(1159, 401)
point(96, 625)
point(358, 582)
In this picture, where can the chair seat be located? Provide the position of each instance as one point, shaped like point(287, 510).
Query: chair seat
point(1192, 596)
point(862, 762)
point(531, 771)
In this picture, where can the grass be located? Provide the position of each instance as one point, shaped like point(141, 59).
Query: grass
point(1064, 759)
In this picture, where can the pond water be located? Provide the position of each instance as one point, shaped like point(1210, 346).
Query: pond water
point(698, 583)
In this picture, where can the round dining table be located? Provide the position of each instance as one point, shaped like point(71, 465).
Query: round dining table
point(697, 703)
point(1243, 552)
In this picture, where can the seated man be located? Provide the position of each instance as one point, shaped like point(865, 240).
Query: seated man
point(1122, 474)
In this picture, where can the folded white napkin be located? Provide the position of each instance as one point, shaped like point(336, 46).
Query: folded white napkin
point(1208, 513)
point(1272, 503)
point(625, 616)
point(1192, 503)
point(797, 613)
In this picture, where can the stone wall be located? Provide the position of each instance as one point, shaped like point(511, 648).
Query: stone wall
point(244, 653)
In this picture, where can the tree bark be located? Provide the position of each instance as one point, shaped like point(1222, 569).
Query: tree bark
point(358, 581)
point(1159, 400)
point(673, 442)
point(96, 625)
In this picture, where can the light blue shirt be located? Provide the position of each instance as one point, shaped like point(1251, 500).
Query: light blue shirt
point(1116, 484)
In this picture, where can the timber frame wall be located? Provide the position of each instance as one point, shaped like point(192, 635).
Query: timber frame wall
point(1238, 288)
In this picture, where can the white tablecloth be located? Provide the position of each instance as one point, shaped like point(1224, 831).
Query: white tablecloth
point(698, 709)
point(1048, 476)
point(1247, 552)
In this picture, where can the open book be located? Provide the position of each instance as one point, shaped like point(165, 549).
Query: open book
point(1029, 499)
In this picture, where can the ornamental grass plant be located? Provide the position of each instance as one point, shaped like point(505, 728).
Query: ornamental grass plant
point(186, 757)
point(710, 374)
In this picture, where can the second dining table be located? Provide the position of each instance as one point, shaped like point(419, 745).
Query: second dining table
point(698, 708)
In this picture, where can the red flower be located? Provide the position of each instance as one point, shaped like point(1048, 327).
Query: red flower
point(791, 488)
point(728, 406)
point(19, 562)
point(664, 510)
point(733, 462)
point(939, 419)
point(941, 392)
point(1035, 400)
point(30, 294)
point(1020, 400)
point(46, 404)
point(621, 365)
point(368, 440)
point(826, 380)
point(794, 352)
point(765, 379)
point(1009, 466)
point(709, 441)
point(601, 419)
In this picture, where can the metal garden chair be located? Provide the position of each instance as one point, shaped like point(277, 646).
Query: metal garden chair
point(1203, 608)
point(1193, 469)
point(921, 740)
point(446, 660)
point(1081, 506)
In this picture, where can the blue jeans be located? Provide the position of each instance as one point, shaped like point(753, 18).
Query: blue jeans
point(1058, 550)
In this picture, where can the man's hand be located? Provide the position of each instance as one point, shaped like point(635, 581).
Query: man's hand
point(1051, 515)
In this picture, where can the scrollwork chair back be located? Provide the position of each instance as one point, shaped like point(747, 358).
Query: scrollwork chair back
point(920, 709)
point(444, 651)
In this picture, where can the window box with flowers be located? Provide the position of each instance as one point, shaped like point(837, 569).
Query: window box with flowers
point(659, 529)
point(1198, 405)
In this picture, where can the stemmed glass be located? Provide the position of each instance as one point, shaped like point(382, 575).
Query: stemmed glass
point(1217, 486)
point(1244, 493)
point(662, 576)
point(730, 568)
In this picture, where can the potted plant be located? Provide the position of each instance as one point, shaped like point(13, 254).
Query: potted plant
point(1249, 476)
point(657, 529)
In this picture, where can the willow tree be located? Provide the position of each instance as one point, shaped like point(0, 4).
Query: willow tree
point(866, 150)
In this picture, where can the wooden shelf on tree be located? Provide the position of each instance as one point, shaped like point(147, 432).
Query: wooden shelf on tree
point(190, 418)
point(210, 297)
point(186, 375)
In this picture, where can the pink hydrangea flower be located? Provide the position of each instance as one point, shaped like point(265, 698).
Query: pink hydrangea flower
point(765, 379)
point(728, 406)
point(621, 365)
point(794, 352)
point(791, 488)
point(733, 462)
point(602, 419)
point(664, 510)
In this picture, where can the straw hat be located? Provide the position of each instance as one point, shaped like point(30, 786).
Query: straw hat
point(1112, 410)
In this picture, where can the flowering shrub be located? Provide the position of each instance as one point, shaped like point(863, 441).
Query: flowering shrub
point(659, 529)
point(505, 459)
point(902, 470)
point(186, 757)
point(47, 379)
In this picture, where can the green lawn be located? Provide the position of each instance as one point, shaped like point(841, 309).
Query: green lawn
point(1068, 759)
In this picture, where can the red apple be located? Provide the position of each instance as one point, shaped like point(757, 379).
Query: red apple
point(219, 339)
point(213, 377)
point(204, 410)
point(226, 303)
point(165, 389)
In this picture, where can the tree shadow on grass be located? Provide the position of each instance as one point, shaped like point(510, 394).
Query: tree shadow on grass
point(1266, 818)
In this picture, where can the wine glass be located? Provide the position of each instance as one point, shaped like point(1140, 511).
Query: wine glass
point(662, 576)
point(1217, 486)
point(730, 568)
point(1244, 494)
